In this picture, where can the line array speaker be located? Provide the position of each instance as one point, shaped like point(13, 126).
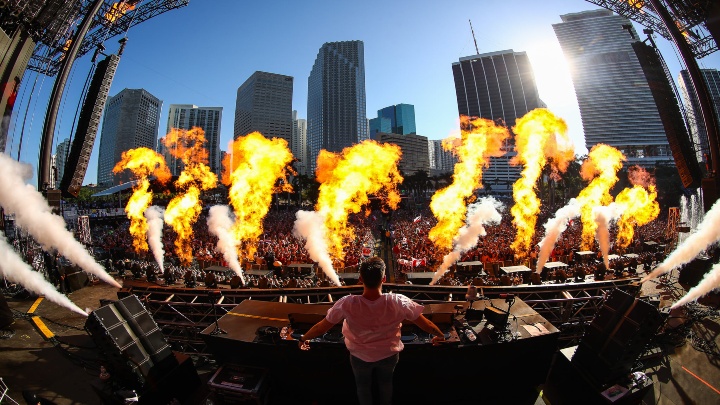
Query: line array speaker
point(681, 146)
point(79, 156)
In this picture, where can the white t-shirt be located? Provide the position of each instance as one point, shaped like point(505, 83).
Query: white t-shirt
point(372, 328)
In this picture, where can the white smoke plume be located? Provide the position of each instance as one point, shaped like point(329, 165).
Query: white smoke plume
point(310, 226)
point(154, 216)
point(603, 217)
point(485, 211)
point(13, 268)
point(707, 284)
point(707, 233)
point(554, 227)
point(219, 224)
point(33, 214)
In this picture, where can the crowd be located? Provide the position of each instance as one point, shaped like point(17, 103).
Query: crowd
point(402, 233)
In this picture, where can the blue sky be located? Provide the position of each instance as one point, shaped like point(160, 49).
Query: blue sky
point(202, 53)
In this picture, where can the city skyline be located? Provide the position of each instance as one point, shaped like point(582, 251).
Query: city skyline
point(283, 38)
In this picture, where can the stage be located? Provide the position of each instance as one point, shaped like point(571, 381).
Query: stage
point(505, 367)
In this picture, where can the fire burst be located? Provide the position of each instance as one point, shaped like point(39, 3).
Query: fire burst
point(639, 205)
point(254, 168)
point(142, 162)
point(540, 136)
point(183, 210)
point(601, 166)
point(347, 179)
point(480, 139)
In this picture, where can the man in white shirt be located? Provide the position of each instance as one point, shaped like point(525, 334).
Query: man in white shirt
point(372, 331)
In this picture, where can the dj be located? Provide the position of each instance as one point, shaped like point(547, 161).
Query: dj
point(372, 331)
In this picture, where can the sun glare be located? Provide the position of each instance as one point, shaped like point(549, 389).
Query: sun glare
point(552, 74)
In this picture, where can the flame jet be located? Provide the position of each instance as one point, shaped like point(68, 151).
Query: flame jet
point(346, 180)
point(33, 214)
point(143, 163)
point(707, 233)
point(252, 172)
point(481, 213)
point(639, 205)
point(479, 140)
point(601, 166)
point(540, 137)
point(183, 210)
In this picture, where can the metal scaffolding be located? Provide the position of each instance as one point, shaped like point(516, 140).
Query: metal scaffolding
point(52, 24)
point(689, 16)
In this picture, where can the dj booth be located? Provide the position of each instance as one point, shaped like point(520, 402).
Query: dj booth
point(500, 357)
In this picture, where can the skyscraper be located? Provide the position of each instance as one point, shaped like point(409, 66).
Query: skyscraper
point(379, 125)
point(498, 86)
point(61, 152)
point(395, 119)
point(187, 116)
point(336, 99)
point(616, 102)
point(441, 160)
point(692, 107)
point(299, 143)
point(415, 156)
point(131, 120)
point(264, 104)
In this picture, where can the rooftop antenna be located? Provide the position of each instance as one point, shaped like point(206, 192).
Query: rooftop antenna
point(477, 51)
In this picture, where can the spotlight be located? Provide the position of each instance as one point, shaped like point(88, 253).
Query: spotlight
point(236, 282)
point(210, 281)
point(150, 273)
point(190, 279)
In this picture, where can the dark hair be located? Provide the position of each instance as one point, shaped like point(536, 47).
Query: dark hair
point(372, 271)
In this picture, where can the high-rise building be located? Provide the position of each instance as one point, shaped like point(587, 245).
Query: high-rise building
point(61, 152)
point(395, 119)
point(379, 125)
point(299, 143)
point(336, 99)
point(264, 104)
point(187, 116)
point(692, 107)
point(53, 173)
point(131, 120)
point(414, 149)
point(611, 74)
point(498, 86)
point(441, 160)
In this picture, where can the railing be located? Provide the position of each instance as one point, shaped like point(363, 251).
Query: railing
point(182, 313)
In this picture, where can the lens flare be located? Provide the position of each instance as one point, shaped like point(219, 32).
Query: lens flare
point(346, 181)
point(639, 205)
point(479, 140)
point(601, 166)
point(183, 210)
point(540, 137)
point(143, 163)
point(253, 171)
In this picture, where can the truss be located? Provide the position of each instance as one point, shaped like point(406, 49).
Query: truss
point(52, 23)
point(690, 17)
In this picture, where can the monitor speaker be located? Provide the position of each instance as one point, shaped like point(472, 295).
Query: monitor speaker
point(130, 341)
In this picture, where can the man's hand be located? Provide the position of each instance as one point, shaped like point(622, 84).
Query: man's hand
point(304, 345)
point(437, 340)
